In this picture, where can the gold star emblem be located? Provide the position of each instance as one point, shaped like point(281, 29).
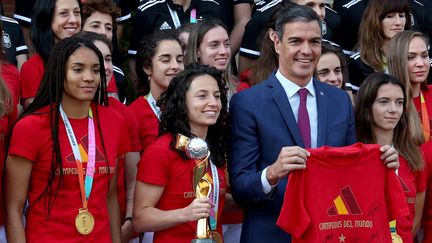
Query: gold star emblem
point(342, 238)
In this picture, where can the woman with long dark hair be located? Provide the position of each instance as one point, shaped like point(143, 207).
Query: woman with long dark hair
point(63, 151)
point(382, 118)
point(52, 21)
point(195, 105)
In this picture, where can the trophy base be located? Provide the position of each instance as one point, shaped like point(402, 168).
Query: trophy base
point(203, 241)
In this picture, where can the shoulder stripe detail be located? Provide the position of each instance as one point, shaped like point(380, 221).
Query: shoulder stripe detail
point(348, 53)
point(123, 18)
point(353, 87)
point(21, 48)
point(210, 1)
point(355, 54)
point(149, 4)
point(269, 5)
point(351, 3)
point(419, 3)
point(118, 70)
point(330, 9)
point(249, 51)
point(4, 18)
point(23, 18)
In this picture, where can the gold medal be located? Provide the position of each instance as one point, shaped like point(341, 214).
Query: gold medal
point(396, 238)
point(217, 237)
point(84, 222)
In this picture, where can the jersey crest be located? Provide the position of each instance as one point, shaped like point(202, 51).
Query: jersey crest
point(83, 147)
point(6, 40)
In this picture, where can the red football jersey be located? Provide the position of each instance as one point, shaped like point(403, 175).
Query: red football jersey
point(160, 165)
point(31, 139)
point(148, 123)
point(344, 195)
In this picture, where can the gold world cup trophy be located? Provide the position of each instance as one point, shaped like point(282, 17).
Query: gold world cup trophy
point(197, 149)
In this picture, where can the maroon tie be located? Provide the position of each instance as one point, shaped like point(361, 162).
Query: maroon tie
point(303, 118)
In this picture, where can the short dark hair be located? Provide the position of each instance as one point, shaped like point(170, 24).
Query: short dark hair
point(296, 13)
point(103, 7)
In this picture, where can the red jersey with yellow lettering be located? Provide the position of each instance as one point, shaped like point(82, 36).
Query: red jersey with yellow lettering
point(31, 139)
point(344, 195)
point(162, 166)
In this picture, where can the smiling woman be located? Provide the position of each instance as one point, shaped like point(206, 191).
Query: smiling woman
point(209, 44)
point(195, 105)
point(64, 132)
point(159, 59)
point(52, 21)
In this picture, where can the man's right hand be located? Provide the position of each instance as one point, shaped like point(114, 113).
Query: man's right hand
point(289, 159)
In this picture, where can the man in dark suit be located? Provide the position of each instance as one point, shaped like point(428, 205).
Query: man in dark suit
point(267, 142)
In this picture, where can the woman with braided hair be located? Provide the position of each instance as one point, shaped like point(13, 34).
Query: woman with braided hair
point(63, 152)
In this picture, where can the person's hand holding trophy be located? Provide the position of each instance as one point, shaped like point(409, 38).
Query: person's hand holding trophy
point(205, 183)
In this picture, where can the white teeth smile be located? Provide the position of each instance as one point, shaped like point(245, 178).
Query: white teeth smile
point(211, 113)
point(304, 60)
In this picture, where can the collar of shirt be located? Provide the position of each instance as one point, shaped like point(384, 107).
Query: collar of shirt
point(291, 88)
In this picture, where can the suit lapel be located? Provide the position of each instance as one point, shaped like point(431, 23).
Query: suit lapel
point(322, 113)
point(280, 98)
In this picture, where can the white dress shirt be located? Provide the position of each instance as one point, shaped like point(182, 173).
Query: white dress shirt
point(291, 89)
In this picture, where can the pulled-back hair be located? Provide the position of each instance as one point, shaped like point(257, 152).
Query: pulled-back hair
point(196, 37)
point(42, 35)
point(329, 47)
point(174, 112)
point(402, 137)
point(371, 35)
point(101, 6)
point(50, 93)
point(397, 60)
point(145, 52)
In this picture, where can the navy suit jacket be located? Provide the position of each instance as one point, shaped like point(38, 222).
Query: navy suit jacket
point(262, 123)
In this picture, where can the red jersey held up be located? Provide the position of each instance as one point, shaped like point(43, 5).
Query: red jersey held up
point(344, 195)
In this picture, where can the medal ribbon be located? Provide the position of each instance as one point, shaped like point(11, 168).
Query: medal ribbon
point(152, 102)
point(214, 197)
point(193, 18)
point(425, 118)
point(176, 20)
point(87, 186)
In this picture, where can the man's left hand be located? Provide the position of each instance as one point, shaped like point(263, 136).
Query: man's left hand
point(390, 156)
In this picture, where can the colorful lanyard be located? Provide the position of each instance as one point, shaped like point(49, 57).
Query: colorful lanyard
point(425, 118)
point(176, 20)
point(152, 102)
point(214, 197)
point(86, 186)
